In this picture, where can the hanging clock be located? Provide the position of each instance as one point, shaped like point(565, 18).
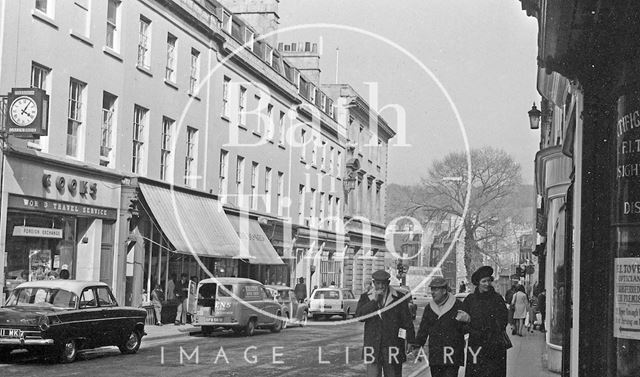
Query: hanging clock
point(23, 111)
point(27, 115)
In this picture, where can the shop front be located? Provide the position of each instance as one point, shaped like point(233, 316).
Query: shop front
point(57, 218)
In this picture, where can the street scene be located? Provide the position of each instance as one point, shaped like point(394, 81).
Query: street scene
point(320, 187)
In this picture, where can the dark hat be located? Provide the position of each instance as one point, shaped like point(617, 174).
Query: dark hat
point(381, 275)
point(438, 282)
point(481, 273)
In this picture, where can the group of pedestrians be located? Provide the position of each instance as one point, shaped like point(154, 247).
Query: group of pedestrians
point(523, 309)
point(388, 328)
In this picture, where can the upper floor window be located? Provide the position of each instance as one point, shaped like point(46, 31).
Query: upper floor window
point(253, 199)
point(314, 150)
point(138, 141)
point(323, 154)
point(225, 97)
point(240, 181)
point(40, 76)
point(280, 193)
point(331, 158)
point(303, 144)
point(269, 126)
point(165, 147)
point(144, 43)
point(195, 71)
point(226, 21)
point(301, 195)
point(80, 17)
point(190, 169)
point(267, 189)
point(108, 124)
point(75, 117)
point(242, 105)
point(281, 128)
point(248, 38)
point(43, 6)
point(170, 71)
point(113, 30)
point(222, 175)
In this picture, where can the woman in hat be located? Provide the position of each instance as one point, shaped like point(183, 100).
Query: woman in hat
point(487, 351)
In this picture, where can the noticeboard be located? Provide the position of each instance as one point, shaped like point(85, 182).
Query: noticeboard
point(626, 302)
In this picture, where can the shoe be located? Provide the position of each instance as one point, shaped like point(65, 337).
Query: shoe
point(158, 324)
point(177, 323)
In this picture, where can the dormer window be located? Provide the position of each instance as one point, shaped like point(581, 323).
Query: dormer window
point(226, 21)
point(249, 38)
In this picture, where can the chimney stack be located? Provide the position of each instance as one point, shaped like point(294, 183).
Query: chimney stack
point(262, 15)
point(305, 56)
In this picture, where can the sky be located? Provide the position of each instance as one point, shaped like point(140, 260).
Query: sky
point(424, 56)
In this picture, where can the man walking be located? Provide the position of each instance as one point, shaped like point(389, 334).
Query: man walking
point(387, 326)
point(182, 293)
point(300, 290)
point(443, 323)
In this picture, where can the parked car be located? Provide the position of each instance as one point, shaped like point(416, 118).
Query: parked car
point(65, 316)
point(295, 312)
point(327, 302)
point(462, 295)
point(413, 307)
point(240, 304)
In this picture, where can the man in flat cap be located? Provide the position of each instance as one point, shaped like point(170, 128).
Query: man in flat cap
point(387, 325)
point(443, 322)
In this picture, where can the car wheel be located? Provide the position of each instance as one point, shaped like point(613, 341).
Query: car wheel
point(68, 351)
point(250, 328)
point(286, 322)
point(207, 330)
point(132, 343)
point(277, 326)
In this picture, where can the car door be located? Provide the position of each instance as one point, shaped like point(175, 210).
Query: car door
point(90, 315)
point(114, 325)
point(349, 300)
point(268, 305)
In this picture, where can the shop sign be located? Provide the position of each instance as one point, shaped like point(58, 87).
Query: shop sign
point(66, 208)
point(31, 231)
point(627, 174)
point(626, 302)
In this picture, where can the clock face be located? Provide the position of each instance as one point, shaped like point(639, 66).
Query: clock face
point(23, 111)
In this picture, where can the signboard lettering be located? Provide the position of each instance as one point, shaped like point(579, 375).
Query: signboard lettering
point(30, 231)
point(53, 206)
point(627, 173)
point(626, 303)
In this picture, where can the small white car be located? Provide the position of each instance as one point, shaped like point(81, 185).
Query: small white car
point(327, 302)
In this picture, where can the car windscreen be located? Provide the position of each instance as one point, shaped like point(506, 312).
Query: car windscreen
point(327, 295)
point(43, 296)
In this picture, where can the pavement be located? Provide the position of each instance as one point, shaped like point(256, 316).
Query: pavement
point(527, 358)
point(168, 331)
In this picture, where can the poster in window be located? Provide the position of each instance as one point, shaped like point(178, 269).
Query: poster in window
point(39, 263)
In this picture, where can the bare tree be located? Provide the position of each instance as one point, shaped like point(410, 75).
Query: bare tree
point(487, 188)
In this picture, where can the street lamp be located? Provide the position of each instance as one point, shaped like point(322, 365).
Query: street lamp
point(534, 117)
point(349, 183)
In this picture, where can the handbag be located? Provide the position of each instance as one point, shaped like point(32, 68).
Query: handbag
point(503, 338)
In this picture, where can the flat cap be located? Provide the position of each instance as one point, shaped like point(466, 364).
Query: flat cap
point(438, 282)
point(381, 275)
point(482, 272)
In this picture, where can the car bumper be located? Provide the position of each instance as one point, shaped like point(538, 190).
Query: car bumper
point(326, 312)
point(26, 342)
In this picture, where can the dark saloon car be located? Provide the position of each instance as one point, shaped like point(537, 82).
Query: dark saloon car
point(61, 317)
point(296, 312)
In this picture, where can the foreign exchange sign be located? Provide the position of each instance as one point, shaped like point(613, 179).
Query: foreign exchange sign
point(31, 231)
point(626, 302)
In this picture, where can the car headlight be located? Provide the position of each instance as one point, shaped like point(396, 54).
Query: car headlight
point(43, 323)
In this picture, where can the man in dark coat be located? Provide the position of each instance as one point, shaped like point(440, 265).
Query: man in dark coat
point(443, 321)
point(542, 307)
point(300, 290)
point(508, 297)
point(387, 326)
point(182, 293)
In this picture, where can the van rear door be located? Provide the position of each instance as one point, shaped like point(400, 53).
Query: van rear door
point(206, 302)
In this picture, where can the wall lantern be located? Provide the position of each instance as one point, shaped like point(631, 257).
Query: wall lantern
point(534, 117)
point(349, 183)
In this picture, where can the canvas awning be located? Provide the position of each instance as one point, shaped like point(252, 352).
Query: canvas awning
point(192, 223)
point(255, 246)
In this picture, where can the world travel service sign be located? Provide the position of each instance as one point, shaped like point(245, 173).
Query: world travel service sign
point(627, 174)
point(66, 208)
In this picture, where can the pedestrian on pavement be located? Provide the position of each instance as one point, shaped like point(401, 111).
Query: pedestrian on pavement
point(443, 322)
point(156, 301)
point(171, 287)
point(486, 351)
point(182, 293)
point(64, 272)
point(520, 303)
point(542, 307)
point(508, 296)
point(301, 290)
point(463, 287)
point(386, 329)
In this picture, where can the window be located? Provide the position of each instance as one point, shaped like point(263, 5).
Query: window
point(88, 300)
point(337, 210)
point(267, 189)
point(43, 6)
point(165, 147)
point(314, 150)
point(331, 157)
point(170, 72)
point(269, 126)
point(312, 206)
point(281, 128)
point(242, 105)
point(301, 204)
point(190, 168)
point(39, 76)
point(222, 175)
point(226, 21)
point(79, 17)
point(248, 38)
point(104, 297)
point(323, 154)
point(280, 193)
point(303, 144)
point(113, 31)
point(195, 71)
point(268, 54)
point(330, 219)
point(144, 43)
point(225, 97)
point(139, 125)
point(75, 116)
point(321, 209)
point(240, 180)
point(106, 130)
point(339, 164)
point(253, 199)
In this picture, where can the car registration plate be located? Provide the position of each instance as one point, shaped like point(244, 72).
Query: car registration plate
point(218, 319)
point(10, 333)
point(327, 306)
